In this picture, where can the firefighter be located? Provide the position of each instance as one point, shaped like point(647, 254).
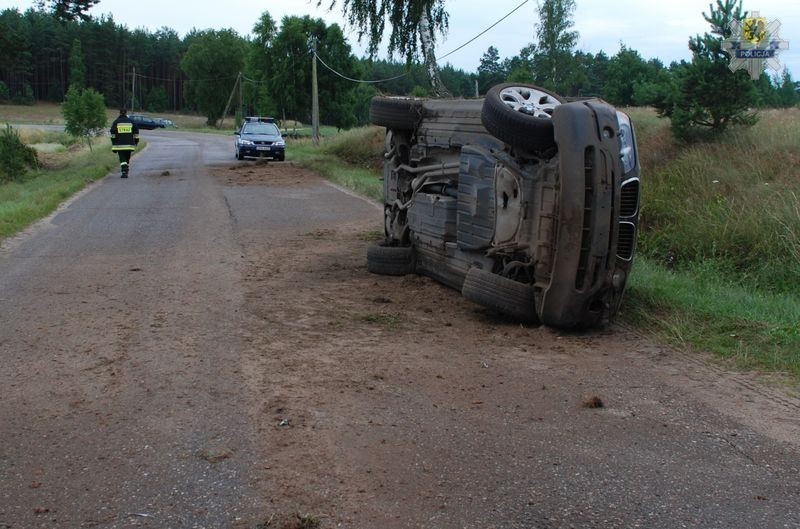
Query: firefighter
point(124, 139)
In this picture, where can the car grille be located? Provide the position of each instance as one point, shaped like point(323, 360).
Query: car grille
point(629, 199)
point(626, 240)
point(586, 233)
point(263, 142)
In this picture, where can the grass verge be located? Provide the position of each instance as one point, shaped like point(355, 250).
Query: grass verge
point(356, 148)
point(696, 309)
point(720, 242)
point(40, 192)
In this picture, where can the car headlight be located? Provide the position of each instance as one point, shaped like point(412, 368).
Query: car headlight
point(627, 144)
point(279, 143)
point(246, 142)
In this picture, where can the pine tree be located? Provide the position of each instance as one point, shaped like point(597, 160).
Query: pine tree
point(710, 97)
point(68, 9)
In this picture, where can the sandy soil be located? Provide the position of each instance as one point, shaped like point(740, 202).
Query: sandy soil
point(394, 402)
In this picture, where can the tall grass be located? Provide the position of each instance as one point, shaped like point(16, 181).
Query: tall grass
point(732, 204)
point(720, 241)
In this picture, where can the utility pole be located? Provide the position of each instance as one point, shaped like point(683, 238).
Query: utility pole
point(230, 99)
point(133, 88)
point(314, 95)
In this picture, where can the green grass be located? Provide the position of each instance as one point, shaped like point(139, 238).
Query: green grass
point(40, 192)
point(720, 242)
point(733, 203)
point(362, 178)
point(697, 309)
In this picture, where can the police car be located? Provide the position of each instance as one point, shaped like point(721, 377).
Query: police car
point(260, 137)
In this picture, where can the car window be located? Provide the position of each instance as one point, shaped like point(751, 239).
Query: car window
point(260, 128)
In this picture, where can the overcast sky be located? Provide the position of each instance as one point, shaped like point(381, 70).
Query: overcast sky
point(655, 29)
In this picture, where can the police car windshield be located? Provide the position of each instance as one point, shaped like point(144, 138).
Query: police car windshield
point(260, 128)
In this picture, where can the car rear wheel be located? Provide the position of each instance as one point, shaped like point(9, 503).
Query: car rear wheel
point(390, 260)
point(402, 113)
point(521, 115)
point(501, 294)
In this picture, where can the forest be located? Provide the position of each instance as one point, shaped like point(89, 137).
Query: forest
point(43, 50)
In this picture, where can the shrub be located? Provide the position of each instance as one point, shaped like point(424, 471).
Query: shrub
point(5, 95)
point(15, 156)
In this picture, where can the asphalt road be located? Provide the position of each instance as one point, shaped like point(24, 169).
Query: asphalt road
point(155, 330)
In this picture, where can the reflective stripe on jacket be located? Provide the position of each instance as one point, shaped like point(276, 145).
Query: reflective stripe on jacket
point(124, 134)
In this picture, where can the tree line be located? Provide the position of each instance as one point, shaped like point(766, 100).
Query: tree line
point(269, 71)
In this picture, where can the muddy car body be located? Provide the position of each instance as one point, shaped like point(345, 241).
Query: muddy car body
point(524, 202)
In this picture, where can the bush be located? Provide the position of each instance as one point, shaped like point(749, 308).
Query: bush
point(15, 156)
point(5, 95)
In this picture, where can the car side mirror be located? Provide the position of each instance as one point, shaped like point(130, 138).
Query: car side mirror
point(236, 133)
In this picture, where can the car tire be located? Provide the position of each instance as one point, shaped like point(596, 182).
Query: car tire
point(501, 294)
point(402, 113)
point(520, 115)
point(390, 260)
point(239, 155)
point(281, 158)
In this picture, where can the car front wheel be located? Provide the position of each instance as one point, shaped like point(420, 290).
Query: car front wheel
point(501, 294)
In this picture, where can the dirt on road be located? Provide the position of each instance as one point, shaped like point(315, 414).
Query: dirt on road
point(393, 402)
point(244, 370)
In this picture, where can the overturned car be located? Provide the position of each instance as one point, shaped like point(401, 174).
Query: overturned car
point(526, 203)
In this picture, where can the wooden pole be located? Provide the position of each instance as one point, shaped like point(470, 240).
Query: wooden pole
point(133, 88)
point(314, 98)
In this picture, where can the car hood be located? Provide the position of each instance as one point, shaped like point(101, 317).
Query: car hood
point(261, 137)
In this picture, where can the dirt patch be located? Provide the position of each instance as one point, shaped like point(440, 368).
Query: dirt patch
point(265, 173)
point(404, 405)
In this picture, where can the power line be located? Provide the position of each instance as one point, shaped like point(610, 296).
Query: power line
point(470, 41)
point(473, 39)
point(142, 76)
point(358, 80)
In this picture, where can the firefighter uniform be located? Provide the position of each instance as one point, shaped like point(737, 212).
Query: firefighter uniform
point(124, 138)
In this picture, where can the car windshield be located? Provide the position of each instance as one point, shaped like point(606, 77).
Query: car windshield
point(260, 128)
